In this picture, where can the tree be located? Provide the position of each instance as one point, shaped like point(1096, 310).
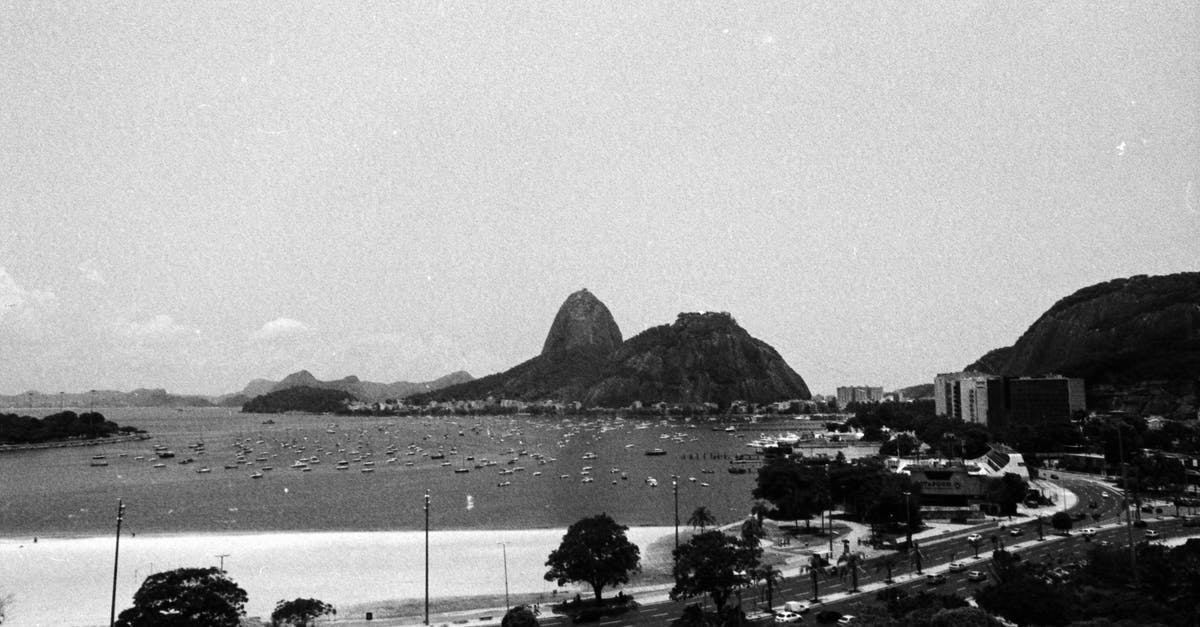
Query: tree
point(770, 576)
point(299, 612)
point(715, 564)
point(519, 616)
point(186, 597)
point(752, 531)
point(1006, 492)
point(594, 551)
point(701, 518)
point(1061, 521)
point(795, 490)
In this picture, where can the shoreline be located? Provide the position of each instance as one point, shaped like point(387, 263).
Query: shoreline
point(360, 570)
point(40, 446)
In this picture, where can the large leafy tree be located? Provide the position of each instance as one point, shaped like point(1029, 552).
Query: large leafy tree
point(299, 612)
point(594, 551)
point(797, 491)
point(1006, 492)
point(186, 597)
point(715, 564)
point(519, 616)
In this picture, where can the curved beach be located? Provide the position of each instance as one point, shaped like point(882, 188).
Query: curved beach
point(341, 568)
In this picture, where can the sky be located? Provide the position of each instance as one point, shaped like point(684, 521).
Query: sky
point(198, 194)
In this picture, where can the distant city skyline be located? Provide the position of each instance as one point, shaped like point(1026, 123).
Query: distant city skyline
point(198, 196)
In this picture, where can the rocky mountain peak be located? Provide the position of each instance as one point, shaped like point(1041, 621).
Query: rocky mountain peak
point(582, 322)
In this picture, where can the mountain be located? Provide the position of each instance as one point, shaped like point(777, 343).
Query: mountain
point(917, 392)
point(582, 322)
point(701, 357)
point(140, 397)
point(300, 398)
point(363, 390)
point(1120, 336)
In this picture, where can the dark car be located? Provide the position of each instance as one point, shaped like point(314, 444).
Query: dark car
point(1140, 524)
point(935, 580)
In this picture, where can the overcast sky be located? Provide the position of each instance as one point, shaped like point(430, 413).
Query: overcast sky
point(193, 195)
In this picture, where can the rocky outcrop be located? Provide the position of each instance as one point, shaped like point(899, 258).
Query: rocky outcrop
point(1117, 335)
point(582, 322)
point(699, 358)
point(702, 357)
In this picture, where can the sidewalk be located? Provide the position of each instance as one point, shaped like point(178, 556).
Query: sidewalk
point(796, 559)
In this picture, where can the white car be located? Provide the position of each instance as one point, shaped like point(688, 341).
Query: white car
point(1150, 533)
point(957, 566)
point(973, 538)
point(798, 607)
point(1088, 533)
point(846, 619)
point(784, 616)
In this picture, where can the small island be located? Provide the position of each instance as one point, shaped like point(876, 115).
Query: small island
point(64, 428)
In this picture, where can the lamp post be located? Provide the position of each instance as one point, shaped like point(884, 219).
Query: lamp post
point(222, 557)
point(675, 490)
point(112, 612)
point(908, 518)
point(504, 551)
point(427, 557)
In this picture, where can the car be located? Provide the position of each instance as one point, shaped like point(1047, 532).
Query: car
point(784, 616)
point(976, 575)
point(1016, 531)
point(957, 566)
point(798, 607)
point(828, 616)
point(1105, 495)
point(1150, 533)
point(1147, 509)
point(1140, 524)
point(973, 538)
point(1088, 533)
point(935, 579)
point(846, 619)
point(1053, 476)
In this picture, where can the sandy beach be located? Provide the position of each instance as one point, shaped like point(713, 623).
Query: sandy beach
point(342, 568)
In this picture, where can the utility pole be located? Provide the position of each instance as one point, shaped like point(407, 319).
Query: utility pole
point(675, 489)
point(1125, 503)
point(504, 550)
point(426, 556)
point(112, 611)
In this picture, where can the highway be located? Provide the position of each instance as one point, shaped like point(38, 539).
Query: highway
point(1093, 509)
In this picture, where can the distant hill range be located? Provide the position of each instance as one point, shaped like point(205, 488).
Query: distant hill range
point(701, 357)
point(1136, 341)
point(361, 390)
point(105, 398)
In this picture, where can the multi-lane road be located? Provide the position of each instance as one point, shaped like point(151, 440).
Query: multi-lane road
point(1097, 505)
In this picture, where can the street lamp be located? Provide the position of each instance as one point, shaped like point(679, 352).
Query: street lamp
point(222, 557)
point(504, 550)
point(112, 612)
point(426, 557)
point(908, 518)
point(675, 490)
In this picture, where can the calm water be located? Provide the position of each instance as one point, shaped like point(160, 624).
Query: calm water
point(58, 492)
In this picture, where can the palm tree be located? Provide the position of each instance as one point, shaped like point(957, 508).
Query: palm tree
point(851, 561)
point(888, 562)
point(770, 576)
point(702, 518)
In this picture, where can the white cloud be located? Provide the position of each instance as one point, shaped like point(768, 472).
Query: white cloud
point(91, 272)
point(15, 300)
point(160, 327)
point(280, 328)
